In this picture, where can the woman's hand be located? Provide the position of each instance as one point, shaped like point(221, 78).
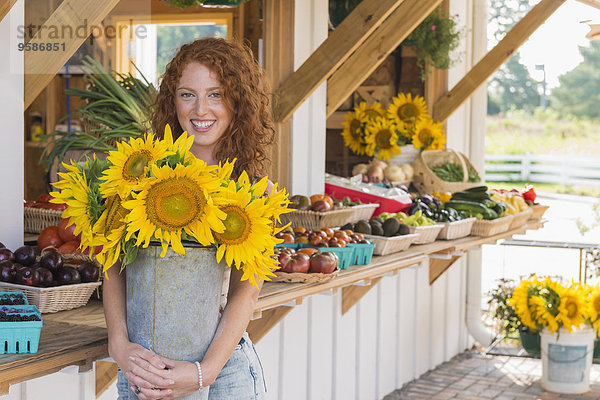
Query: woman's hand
point(183, 374)
point(125, 353)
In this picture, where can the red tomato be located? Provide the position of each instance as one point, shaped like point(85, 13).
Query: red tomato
point(49, 237)
point(57, 207)
point(66, 232)
point(70, 247)
point(45, 198)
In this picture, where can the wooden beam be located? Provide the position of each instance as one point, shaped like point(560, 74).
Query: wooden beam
point(258, 328)
point(494, 59)
point(106, 374)
point(438, 266)
point(41, 66)
point(352, 294)
point(591, 3)
point(278, 29)
point(345, 39)
point(5, 6)
point(385, 39)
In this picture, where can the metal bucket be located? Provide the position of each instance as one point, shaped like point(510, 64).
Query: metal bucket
point(173, 303)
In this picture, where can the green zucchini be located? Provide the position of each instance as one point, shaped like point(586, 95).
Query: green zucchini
point(473, 208)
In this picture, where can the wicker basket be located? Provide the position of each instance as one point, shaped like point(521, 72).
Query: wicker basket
point(38, 219)
point(300, 277)
point(538, 211)
point(312, 220)
point(387, 245)
point(54, 299)
point(520, 218)
point(483, 227)
point(427, 182)
point(427, 234)
point(456, 229)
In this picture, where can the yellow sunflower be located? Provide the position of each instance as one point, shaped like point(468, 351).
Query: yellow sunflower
point(224, 170)
point(353, 132)
point(181, 146)
point(75, 192)
point(130, 163)
point(428, 135)
point(248, 233)
point(369, 113)
point(111, 229)
point(276, 204)
point(173, 201)
point(259, 269)
point(572, 310)
point(595, 304)
point(520, 303)
point(382, 137)
point(406, 110)
point(541, 315)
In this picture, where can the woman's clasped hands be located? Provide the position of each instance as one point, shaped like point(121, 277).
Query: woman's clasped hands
point(155, 377)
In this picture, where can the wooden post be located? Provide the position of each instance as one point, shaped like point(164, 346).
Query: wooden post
point(5, 6)
point(258, 328)
point(385, 39)
point(278, 25)
point(41, 66)
point(346, 38)
point(494, 59)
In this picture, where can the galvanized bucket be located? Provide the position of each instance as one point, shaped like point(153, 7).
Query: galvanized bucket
point(173, 303)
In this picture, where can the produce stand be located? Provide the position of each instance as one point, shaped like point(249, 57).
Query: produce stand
point(79, 336)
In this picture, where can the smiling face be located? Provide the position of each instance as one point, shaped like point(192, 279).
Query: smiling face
point(201, 108)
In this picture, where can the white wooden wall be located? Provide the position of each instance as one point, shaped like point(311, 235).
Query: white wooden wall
point(400, 329)
point(11, 136)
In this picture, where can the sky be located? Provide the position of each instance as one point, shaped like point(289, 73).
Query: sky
point(555, 43)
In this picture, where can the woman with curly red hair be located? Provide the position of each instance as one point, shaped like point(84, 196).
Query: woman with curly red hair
point(216, 91)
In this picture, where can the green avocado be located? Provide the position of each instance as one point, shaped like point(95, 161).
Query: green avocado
point(390, 227)
point(376, 219)
point(363, 227)
point(376, 229)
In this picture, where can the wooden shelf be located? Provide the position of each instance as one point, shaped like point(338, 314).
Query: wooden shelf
point(79, 337)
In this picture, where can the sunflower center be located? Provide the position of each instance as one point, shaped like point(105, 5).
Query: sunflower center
point(173, 203)
point(597, 304)
point(571, 309)
point(136, 165)
point(237, 226)
point(372, 114)
point(408, 112)
point(424, 135)
point(383, 139)
point(354, 128)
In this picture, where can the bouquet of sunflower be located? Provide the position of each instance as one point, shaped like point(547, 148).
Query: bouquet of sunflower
point(151, 190)
point(373, 130)
point(552, 305)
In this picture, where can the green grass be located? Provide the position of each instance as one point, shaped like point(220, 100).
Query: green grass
point(544, 132)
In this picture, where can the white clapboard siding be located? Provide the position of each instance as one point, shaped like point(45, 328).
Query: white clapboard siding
point(59, 385)
point(400, 329)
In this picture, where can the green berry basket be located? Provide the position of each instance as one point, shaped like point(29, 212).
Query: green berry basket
point(363, 252)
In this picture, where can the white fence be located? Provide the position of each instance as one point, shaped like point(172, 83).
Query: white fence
point(574, 170)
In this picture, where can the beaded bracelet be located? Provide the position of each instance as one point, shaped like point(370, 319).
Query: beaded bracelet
point(199, 374)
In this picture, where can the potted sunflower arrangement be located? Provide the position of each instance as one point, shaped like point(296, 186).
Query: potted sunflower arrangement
point(567, 317)
point(403, 128)
point(176, 224)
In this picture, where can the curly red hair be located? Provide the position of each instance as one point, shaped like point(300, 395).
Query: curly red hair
point(246, 92)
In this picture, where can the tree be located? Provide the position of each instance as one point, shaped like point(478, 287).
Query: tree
point(512, 86)
point(579, 90)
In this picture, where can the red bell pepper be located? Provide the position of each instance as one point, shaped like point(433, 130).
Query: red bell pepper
point(529, 194)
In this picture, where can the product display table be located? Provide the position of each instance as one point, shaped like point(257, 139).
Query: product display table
point(79, 336)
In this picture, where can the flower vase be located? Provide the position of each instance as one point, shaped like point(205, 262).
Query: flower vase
point(408, 155)
point(530, 343)
point(173, 303)
point(567, 360)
